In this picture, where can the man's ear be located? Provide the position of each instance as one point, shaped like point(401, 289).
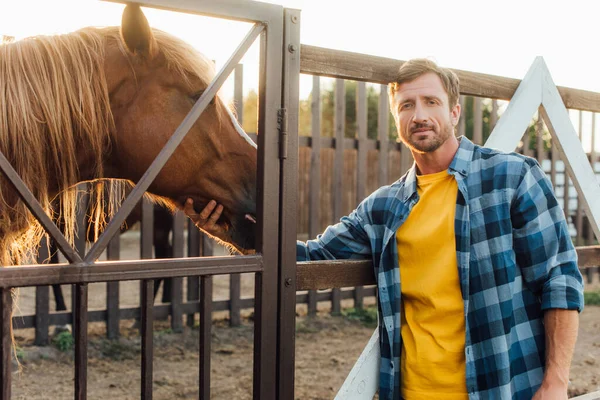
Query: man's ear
point(136, 32)
point(455, 114)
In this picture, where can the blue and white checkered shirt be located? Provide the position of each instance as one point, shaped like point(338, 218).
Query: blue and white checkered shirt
point(515, 260)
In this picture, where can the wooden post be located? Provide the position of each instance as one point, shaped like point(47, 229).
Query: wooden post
point(339, 128)
point(477, 121)
point(383, 120)
point(314, 227)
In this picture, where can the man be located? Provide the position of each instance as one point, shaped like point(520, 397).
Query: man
point(479, 290)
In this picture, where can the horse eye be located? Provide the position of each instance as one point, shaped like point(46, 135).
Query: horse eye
point(197, 95)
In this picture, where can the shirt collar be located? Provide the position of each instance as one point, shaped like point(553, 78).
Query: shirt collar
point(460, 164)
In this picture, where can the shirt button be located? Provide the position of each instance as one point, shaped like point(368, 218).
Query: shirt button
point(391, 364)
point(468, 350)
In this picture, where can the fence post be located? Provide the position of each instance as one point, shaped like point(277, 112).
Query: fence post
point(235, 279)
point(361, 160)
point(314, 227)
point(339, 129)
point(42, 300)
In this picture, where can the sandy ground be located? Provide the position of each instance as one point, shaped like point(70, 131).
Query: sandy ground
point(326, 349)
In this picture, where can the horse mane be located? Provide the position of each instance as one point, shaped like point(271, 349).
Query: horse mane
point(54, 103)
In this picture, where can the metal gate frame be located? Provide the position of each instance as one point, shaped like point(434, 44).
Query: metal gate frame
point(274, 264)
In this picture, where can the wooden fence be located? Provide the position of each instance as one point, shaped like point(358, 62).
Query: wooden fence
point(332, 180)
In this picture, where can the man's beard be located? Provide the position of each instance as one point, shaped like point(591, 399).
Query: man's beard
point(432, 142)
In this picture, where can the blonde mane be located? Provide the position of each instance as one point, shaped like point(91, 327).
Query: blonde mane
point(54, 104)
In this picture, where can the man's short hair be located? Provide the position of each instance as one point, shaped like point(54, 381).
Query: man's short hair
point(416, 67)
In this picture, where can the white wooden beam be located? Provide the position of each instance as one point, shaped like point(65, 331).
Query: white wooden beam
point(363, 380)
point(514, 121)
point(561, 128)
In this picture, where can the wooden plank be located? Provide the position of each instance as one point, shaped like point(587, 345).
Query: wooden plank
point(361, 161)
point(383, 120)
point(539, 140)
point(593, 161)
point(314, 226)
point(554, 161)
point(477, 121)
point(579, 212)
point(362, 67)
point(463, 116)
point(588, 256)
point(333, 274)
point(338, 169)
point(320, 275)
point(494, 115)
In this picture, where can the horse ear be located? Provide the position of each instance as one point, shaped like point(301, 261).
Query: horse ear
point(136, 32)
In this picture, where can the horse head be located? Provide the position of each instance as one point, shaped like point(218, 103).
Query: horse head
point(153, 80)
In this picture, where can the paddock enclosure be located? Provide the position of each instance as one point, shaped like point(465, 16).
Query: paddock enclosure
point(306, 182)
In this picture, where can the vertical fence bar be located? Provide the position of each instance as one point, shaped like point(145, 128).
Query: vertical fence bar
point(147, 322)
point(288, 198)
point(494, 115)
point(81, 340)
point(235, 279)
point(593, 161)
point(205, 336)
point(477, 121)
point(361, 161)
point(80, 244)
point(42, 300)
point(193, 282)
point(6, 306)
point(539, 137)
point(338, 169)
point(146, 301)
point(579, 212)
point(266, 282)
point(566, 193)
point(463, 116)
point(112, 291)
point(383, 121)
point(553, 159)
point(314, 227)
point(177, 283)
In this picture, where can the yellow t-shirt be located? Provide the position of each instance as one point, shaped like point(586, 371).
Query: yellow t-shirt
point(433, 319)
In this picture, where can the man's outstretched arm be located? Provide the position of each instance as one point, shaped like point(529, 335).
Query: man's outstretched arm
point(561, 334)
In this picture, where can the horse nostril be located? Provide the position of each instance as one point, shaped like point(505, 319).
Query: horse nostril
point(250, 218)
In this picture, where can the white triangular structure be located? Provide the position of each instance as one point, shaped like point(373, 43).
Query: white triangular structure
point(536, 91)
point(362, 381)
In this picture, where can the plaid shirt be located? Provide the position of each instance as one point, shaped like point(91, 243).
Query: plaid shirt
point(515, 260)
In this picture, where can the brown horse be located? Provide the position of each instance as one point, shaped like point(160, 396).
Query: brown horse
point(101, 103)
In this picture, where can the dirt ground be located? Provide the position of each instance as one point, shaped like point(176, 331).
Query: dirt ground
point(326, 349)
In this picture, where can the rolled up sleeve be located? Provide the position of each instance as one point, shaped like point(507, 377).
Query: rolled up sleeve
point(543, 247)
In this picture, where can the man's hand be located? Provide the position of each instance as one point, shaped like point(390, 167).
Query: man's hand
point(551, 392)
point(208, 217)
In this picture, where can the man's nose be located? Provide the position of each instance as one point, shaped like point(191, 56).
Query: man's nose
point(420, 114)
